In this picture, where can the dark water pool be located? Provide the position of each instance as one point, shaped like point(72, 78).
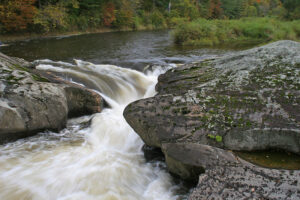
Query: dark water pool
point(127, 49)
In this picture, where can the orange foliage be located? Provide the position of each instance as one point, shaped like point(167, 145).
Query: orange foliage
point(109, 14)
point(16, 15)
point(215, 10)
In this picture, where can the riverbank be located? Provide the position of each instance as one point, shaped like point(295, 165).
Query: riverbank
point(208, 33)
point(7, 38)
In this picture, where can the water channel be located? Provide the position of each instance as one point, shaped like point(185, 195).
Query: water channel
point(98, 156)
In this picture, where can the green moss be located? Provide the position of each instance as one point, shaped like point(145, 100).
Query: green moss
point(218, 138)
point(211, 136)
point(39, 78)
point(19, 67)
point(166, 107)
point(6, 71)
point(13, 80)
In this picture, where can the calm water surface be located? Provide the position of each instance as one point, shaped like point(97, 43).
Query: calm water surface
point(126, 49)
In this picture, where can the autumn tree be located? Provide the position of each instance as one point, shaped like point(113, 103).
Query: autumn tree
point(108, 11)
point(51, 17)
point(215, 9)
point(17, 15)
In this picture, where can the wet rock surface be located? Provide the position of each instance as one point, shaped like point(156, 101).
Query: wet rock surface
point(249, 100)
point(31, 102)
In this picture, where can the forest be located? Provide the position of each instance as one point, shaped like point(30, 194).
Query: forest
point(44, 16)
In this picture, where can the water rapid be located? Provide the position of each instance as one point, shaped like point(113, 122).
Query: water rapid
point(95, 157)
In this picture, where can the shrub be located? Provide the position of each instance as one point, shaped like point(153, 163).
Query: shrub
point(175, 21)
point(124, 18)
point(138, 23)
point(157, 19)
point(51, 17)
point(208, 33)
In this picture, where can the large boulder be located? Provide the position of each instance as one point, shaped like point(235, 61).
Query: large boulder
point(248, 100)
point(244, 101)
point(31, 103)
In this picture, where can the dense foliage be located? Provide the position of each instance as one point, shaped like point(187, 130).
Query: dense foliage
point(71, 15)
point(242, 31)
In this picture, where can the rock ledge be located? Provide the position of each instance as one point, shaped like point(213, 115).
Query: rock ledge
point(31, 102)
point(249, 100)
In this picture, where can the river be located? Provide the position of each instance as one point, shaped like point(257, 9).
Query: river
point(98, 156)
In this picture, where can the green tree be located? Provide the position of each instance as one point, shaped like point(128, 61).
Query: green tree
point(125, 14)
point(293, 8)
point(251, 11)
point(234, 8)
point(51, 17)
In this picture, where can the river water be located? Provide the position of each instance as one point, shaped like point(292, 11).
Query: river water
point(98, 156)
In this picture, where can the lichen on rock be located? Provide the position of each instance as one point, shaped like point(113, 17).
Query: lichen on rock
point(248, 100)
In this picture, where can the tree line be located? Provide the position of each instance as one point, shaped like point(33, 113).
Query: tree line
point(42, 16)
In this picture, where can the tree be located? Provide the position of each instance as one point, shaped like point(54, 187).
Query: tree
point(234, 8)
point(51, 17)
point(251, 11)
point(215, 9)
point(108, 14)
point(17, 15)
point(124, 14)
point(293, 8)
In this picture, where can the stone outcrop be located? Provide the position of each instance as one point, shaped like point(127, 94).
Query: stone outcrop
point(227, 176)
point(248, 100)
point(31, 102)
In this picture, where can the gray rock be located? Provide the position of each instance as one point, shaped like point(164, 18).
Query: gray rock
point(189, 160)
point(248, 100)
point(225, 176)
point(30, 103)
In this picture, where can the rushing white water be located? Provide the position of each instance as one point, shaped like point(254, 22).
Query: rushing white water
point(102, 161)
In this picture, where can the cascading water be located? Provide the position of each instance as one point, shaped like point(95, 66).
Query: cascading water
point(101, 161)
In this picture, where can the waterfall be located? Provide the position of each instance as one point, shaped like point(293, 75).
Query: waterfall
point(102, 161)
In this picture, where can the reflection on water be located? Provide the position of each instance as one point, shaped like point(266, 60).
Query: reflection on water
point(127, 49)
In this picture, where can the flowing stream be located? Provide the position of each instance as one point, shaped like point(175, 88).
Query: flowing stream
point(102, 160)
point(99, 156)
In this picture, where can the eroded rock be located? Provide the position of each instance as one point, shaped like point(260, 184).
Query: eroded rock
point(225, 176)
point(31, 103)
point(248, 100)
